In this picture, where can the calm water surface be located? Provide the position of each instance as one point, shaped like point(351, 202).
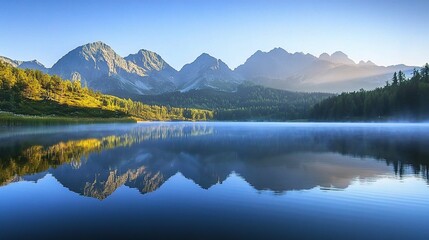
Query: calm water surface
point(215, 181)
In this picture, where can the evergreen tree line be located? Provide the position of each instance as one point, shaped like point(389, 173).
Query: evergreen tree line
point(249, 102)
point(32, 92)
point(401, 98)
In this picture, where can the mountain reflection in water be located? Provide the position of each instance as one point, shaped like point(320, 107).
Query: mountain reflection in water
point(95, 161)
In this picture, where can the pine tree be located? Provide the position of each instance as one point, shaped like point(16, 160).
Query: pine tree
point(401, 77)
point(425, 73)
point(395, 80)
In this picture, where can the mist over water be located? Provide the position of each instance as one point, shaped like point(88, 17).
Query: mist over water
point(215, 180)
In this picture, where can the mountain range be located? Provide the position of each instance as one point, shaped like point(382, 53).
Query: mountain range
point(99, 67)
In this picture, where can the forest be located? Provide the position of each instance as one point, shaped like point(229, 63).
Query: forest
point(249, 102)
point(32, 92)
point(401, 98)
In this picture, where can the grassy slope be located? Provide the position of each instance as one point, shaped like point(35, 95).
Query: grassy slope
point(31, 92)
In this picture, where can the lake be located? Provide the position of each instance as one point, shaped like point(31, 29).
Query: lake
point(215, 181)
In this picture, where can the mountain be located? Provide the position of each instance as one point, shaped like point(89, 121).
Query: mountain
point(34, 64)
point(98, 66)
point(305, 72)
point(153, 65)
point(14, 63)
point(208, 72)
point(367, 63)
point(274, 64)
point(337, 57)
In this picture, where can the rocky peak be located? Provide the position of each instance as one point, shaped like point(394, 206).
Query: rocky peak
point(148, 60)
point(278, 51)
point(95, 57)
point(205, 57)
point(34, 64)
point(207, 72)
point(9, 61)
point(205, 61)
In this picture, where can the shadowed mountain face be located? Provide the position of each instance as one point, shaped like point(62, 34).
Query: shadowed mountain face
point(97, 65)
point(95, 162)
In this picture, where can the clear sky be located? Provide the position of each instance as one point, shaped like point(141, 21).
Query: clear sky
point(386, 32)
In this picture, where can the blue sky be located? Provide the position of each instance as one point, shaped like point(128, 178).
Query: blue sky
point(386, 32)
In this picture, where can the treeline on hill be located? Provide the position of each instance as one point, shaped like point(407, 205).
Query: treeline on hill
point(32, 92)
point(401, 99)
point(249, 102)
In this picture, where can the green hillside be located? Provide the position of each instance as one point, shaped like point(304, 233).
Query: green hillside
point(32, 92)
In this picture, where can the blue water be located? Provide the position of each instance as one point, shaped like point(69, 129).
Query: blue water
point(214, 181)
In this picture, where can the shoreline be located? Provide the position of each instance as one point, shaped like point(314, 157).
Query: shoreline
point(11, 119)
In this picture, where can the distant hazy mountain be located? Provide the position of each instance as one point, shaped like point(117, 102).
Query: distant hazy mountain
point(34, 64)
point(337, 57)
point(208, 72)
point(98, 66)
point(328, 73)
point(274, 64)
